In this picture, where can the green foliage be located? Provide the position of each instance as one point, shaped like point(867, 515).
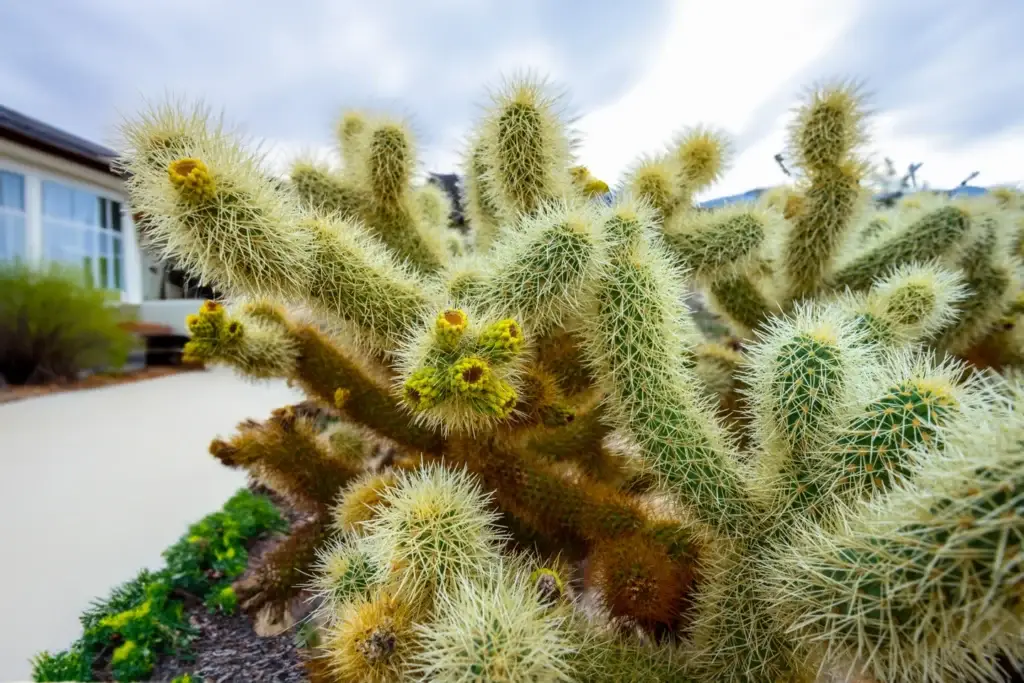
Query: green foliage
point(131, 661)
point(69, 665)
point(144, 618)
point(223, 600)
point(53, 325)
point(214, 548)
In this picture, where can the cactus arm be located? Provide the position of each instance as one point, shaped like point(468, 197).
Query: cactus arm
point(280, 348)
point(637, 336)
point(527, 149)
point(542, 405)
point(559, 353)
point(711, 245)
point(801, 374)
point(992, 280)
point(478, 197)
point(824, 138)
point(653, 180)
point(560, 502)
point(389, 211)
point(735, 637)
point(539, 272)
point(256, 347)
point(434, 206)
point(581, 442)
point(497, 628)
point(323, 369)
point(583, 515)
point(991, 287)
point(283, 453)
point(284, 571)
point(321, 190)
point(910, 305)
point(356, 278)
point(213, 210)
point(717, 366)
point(702, 155)
point(818, 231)
point(217, 214)
point(927, 238)
point(937, 557)
point(739, 299)
point(349, 132)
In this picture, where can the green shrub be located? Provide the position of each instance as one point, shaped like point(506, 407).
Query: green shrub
point(223, 600)
point(144, 618)
point(213, 550)
point(70, 665)
point(53, 325)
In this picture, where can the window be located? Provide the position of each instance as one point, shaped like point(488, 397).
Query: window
point(12, 216)
point(82, 228)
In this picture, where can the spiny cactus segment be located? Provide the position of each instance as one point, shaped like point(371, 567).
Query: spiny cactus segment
point(547, 463)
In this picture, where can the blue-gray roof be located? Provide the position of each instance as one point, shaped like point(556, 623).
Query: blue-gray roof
point(34, 133)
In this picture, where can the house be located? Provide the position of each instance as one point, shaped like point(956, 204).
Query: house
point(61, 201)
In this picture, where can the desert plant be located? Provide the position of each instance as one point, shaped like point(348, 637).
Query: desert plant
point(53, 325)
point(553, 405)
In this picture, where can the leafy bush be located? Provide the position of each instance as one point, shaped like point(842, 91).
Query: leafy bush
point(144, 618)
point(213, 551)
point(53, 325)
point(70, 665)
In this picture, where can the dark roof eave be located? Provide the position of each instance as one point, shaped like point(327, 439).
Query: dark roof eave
point(103, 165)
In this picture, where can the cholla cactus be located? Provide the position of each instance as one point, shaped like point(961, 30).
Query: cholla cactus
point(564, 496)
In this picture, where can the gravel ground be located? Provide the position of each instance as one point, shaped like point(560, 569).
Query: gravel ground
point(227, 649)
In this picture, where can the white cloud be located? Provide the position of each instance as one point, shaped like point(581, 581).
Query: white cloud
point(946, 163)
point(721, 62)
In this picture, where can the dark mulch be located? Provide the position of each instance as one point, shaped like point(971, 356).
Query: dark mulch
point(228, 648)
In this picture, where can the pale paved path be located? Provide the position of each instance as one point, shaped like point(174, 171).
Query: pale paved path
point(95, 484)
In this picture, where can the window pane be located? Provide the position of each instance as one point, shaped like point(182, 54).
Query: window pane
point(115, 216)
point(87, 208)
point(57, 244)
point(87, 238)
point(104, 272)
point(117, 264)
point(57, 200)
point(12, 236)
point(12, 190)
point(88, 241)
point(103, 262)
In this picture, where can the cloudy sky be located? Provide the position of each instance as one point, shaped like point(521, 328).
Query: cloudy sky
point(946, 76)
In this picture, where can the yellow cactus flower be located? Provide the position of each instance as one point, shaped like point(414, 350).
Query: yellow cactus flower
point(192, 179)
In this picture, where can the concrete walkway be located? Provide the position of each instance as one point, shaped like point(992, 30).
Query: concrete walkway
point(95, 484)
